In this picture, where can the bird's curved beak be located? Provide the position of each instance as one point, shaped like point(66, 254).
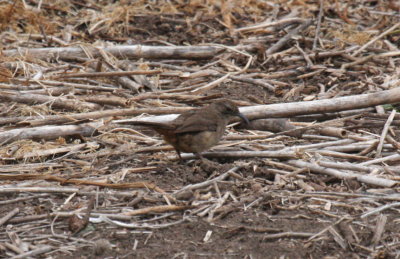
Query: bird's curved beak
point(244, 118)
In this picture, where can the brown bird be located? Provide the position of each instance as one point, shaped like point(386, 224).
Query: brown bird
point(197, 130)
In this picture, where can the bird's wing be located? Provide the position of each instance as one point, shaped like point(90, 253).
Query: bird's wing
point(195, 122)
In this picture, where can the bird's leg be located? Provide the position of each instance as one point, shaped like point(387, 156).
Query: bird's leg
point(179, 155)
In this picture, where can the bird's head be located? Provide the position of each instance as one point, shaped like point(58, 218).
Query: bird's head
point(228, 108)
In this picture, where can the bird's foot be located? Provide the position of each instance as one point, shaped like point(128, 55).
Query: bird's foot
point(207, 165)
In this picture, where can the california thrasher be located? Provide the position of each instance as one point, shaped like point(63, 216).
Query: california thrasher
point(197, 130)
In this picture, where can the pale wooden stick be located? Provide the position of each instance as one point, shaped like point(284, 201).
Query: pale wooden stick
point(48, 132)
point(266, 24)
point(338, 237)
point(28, 167)
point(156, 209)
point(47, 190)
point(325, 229)
point(37, 251)
point(345, 166)
point(274, 48)
point(285, 110)
point(339, 154)
point(379, 229)
point(137, 225)
point(210, 85)
point(287, 235)
point(58, 102)
point(286, 153)
point(384, 133)
point(317, 32)
point(394, 157)
point(369, 179)
point(109, 74)
point(9, 216)
point(130, 51)
point(379, 209)
point(326, 105)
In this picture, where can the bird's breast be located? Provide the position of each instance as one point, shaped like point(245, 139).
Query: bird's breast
point(198, 142)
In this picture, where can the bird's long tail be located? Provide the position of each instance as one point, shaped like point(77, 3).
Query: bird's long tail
point(153, 125)
point(162, 128)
